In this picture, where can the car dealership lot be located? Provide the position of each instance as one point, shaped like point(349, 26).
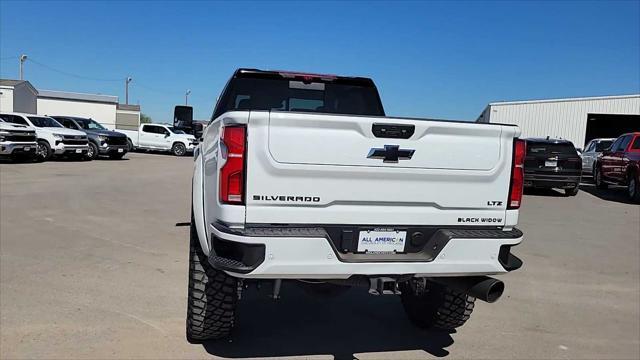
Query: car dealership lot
point(92, 265)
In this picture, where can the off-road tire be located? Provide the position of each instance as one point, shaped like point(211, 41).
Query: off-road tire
point(43, 151)
point(178, 149)
point(435, 306)
point(572, 191)
point(597, 179)
point(212, 297)
point(633, 188)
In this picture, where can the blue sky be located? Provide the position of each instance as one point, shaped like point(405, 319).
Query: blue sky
point(428, 59)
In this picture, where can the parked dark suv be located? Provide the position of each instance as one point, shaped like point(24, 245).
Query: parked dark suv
point(101, 140)
point(620, 165)
point(552, 163)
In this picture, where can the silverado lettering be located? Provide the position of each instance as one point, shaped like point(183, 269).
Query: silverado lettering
point(286, 198)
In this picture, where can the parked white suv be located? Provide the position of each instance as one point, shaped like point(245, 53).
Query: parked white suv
point(17, 141)
point(302, 177)
point(160, 137)
point(591, 152)
point(53, 138)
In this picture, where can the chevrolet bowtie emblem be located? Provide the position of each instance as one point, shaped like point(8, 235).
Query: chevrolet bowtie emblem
point(390, 153)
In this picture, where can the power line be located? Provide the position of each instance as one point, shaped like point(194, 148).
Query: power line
point(172, 93)
point(70, 74)
point(66, 73)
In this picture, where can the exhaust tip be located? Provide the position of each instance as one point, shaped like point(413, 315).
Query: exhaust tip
point(494, 292)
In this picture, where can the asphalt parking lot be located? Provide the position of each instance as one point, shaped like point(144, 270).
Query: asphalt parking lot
point(92, 265)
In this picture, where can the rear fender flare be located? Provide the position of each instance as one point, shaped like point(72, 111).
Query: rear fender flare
point(197, 203)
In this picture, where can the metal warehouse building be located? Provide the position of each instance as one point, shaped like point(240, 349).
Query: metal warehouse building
point(576, 119)
point(21, 96)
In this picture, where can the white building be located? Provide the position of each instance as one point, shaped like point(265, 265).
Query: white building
point(17, 96)
point(21, 96)
point(576, 119)
point(101, 108)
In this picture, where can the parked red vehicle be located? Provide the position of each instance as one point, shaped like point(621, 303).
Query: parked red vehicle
point(620, 165)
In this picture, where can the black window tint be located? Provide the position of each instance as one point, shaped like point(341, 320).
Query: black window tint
point(247, 93)
point(67, 123)
point(589, 146)
point(16, 120)
point(602, 145)
point(536, 148)
point(150, 129)
point(636, 143)
point(625, 141)
point(615, 144)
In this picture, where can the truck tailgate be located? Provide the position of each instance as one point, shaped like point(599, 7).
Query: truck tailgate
point(332, 169)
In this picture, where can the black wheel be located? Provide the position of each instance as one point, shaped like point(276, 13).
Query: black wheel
point(633, 188)
point(434, 305)
point(129, 145)
point(212, 297)
point(572, 191)
point(178, 149)
point(116, 156)
point(43, 151)
point(597, 179)
point(92, 152)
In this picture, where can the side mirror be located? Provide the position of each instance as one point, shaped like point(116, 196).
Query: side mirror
point(166, 134)
point(183, 117)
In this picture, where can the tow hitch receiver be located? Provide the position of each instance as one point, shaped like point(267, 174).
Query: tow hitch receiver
point(383, 286)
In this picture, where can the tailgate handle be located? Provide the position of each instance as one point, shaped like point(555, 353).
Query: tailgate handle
point(393, 131)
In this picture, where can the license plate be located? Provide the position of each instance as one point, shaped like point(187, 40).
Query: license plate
point(78, 151)
point(376, 241)
point(120, 150)
point(549, 163)
point(27, 148)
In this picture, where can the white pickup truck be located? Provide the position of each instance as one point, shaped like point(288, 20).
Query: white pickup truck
point(17, 141)
point(160, 137)
point(302, 177)
point(52, 137)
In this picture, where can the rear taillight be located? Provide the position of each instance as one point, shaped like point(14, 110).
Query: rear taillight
point(517, 174)
point(232, 172)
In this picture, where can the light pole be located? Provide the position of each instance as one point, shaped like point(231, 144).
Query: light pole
point(186, 97)
point(126, 89)
point(23, 58)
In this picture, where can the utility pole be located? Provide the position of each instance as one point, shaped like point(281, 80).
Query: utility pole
point(23, 58)
point(126, 90)
point(186, 97)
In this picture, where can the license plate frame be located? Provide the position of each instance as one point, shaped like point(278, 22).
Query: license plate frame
point(78, 151)
point(551, 163)
point(381, 241)
point(120, 150)
point(26, 148)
